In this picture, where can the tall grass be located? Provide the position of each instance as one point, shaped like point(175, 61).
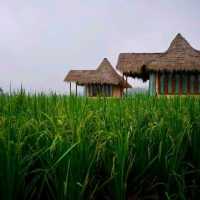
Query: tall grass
point(59, 147)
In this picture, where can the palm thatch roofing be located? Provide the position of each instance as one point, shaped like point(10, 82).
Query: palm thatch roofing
point(104, 74)
point(132, 63)
point(180, 56)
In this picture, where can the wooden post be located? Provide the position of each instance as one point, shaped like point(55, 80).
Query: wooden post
point(70, 88)
point(76, 88)
point(196, 84)
point(170, 83)
point(123, 85)
point(166, 84)
point(173, 84)
point(162, 88)
point(85, 90)
point(126, 85)
point(157, 83)
point(180, 84)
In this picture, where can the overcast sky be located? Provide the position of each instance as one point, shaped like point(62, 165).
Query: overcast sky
point(41, 40)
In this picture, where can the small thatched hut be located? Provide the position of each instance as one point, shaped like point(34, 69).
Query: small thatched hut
point(104, 81)
point(176, 71)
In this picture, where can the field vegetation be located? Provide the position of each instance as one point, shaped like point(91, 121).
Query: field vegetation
point(139, 147)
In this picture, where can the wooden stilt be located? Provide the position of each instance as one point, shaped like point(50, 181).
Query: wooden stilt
point(196, 84)
point(126, 85)
point(166, 83)
point(123, 84)
point(85, 93)
point(76, 89)
point(180, 84)
point(188, 84)
point(70, 88)
point(173, 83)
point(157, 84)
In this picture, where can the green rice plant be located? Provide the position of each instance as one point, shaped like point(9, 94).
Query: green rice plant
point(60, 147)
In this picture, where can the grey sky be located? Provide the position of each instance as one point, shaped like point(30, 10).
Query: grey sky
point(41, 40)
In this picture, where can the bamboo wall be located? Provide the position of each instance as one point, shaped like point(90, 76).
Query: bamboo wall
point(174, 84)
point(103, 90)
point(117, 91)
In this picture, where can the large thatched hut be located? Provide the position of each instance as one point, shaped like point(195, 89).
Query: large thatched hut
point(104, 81)
point(176, 71)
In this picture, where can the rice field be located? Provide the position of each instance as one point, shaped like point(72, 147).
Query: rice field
point(70, 148)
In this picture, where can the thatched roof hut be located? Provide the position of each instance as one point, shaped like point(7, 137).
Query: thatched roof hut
point(175, 71)
point(179, 56)
point(105, 74)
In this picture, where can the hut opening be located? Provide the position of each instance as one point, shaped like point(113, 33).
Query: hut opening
point(104, 81)
point(174, 72)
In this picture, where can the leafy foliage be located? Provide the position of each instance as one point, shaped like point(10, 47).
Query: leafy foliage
point(59, 147)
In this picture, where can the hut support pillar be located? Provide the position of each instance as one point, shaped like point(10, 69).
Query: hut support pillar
point(76, 89)
point(157, 83)
point(85, 90)
point(126, 85)
point(70, 88)
point(123, 85)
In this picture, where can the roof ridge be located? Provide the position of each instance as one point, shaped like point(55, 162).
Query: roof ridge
point(104, 62)
point(179, 42)
point(107, 66)
point(179, 56)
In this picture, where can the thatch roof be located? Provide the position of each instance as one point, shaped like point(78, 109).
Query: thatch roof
point(179, 56)
point(104, 74)
point(77, 75)
point(131, 63)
